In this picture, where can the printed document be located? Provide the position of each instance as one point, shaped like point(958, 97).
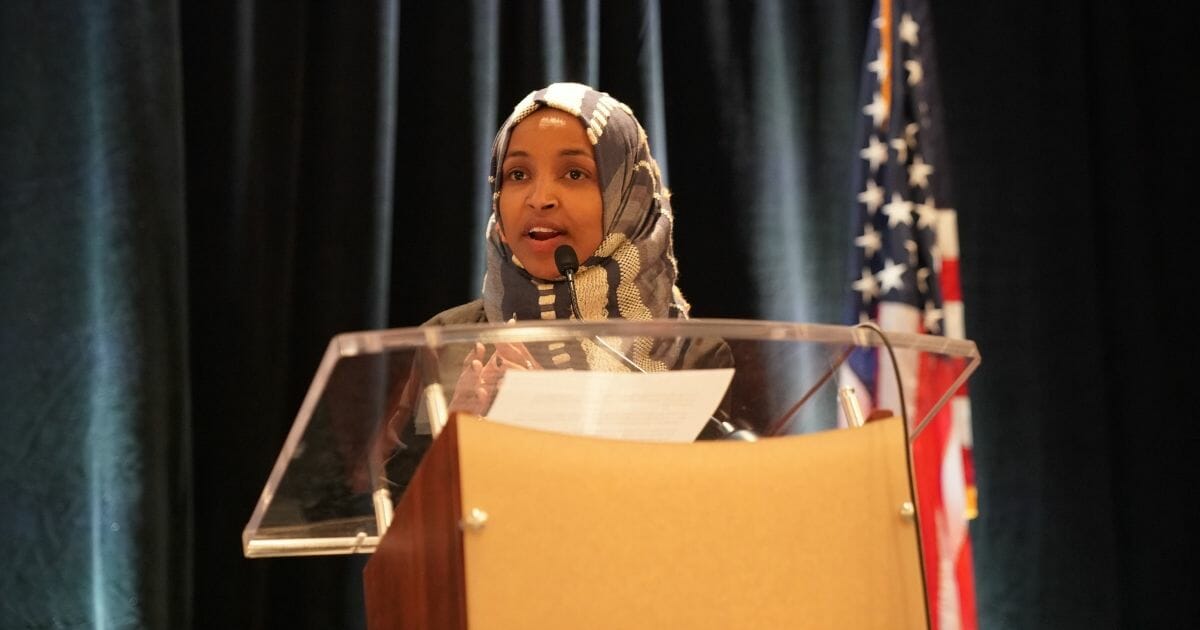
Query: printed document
point(647, 406)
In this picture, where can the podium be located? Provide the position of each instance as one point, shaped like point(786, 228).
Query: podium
point(480, 523)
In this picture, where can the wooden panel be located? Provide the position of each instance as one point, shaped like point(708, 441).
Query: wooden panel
point(415, 577)
point(791, 532)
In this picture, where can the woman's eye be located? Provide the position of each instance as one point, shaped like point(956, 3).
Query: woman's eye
point(517, 175)
point(576, 174)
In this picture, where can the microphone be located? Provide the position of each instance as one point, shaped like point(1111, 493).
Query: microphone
point(566, 260)
point(567, 263)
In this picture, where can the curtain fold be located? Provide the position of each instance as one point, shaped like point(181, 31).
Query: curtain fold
point(292, 125)
point(94, 393)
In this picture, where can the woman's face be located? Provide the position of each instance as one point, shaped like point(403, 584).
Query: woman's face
point(550, 194)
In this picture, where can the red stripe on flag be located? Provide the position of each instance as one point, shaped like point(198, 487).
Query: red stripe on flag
point(929, 451)
point(951, 289)
point(964, 569)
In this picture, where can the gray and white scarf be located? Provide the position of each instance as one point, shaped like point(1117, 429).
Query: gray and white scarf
point(631, 275)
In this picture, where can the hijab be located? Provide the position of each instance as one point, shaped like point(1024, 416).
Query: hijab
point(632, 274)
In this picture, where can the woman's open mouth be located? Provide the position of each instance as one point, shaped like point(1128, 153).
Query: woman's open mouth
point(543, 233)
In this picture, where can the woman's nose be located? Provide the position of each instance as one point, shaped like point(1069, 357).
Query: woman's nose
point(542, 195)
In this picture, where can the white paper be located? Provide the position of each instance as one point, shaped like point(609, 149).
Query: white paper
point(651, 406)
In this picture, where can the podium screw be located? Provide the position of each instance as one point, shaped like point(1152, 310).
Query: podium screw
point(474, 521)
point(907, 511)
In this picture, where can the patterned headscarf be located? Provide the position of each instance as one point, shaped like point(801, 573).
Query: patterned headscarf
point(631, 275)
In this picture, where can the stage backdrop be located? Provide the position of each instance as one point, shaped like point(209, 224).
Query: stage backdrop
point(196, 196)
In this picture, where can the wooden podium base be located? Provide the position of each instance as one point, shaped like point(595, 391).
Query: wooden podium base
point(562, 531)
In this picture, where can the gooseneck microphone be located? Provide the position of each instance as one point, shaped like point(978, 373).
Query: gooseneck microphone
point(567, 263)
point(566, 260)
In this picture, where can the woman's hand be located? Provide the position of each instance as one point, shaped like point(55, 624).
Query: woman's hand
point(476, 386)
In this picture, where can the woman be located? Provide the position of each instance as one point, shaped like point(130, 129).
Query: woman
point(572, 166)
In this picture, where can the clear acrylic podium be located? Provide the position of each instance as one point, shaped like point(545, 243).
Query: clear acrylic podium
point(476, 523)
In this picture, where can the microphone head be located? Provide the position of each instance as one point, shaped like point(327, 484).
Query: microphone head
point(566, 260)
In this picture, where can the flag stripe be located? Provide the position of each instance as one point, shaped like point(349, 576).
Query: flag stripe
point(950, 287)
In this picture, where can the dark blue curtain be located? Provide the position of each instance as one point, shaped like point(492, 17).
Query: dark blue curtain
point(95, 385)
point(196, 196)
point(1072, 191)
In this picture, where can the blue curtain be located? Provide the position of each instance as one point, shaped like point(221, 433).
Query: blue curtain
point(95, 454)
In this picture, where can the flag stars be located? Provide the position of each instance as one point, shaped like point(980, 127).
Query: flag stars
point(910, 134)
point(919, 172)
point(933, 318)
point(901, 147)
point(866, 285)
point(872, 197)
point(900, 260)
point(877, 110)
point(915, 72)
point(880, 66)
point(909, 29)
point(869, 241)
point(898, 211)
point(891, 277)
point(875, 153)
point(926, 214)
point(923, 274)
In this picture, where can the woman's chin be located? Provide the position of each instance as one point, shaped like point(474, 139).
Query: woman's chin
point(539, 261)
point(540, 267)
point(544, 273)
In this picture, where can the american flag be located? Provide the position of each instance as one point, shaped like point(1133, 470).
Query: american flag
point(904, 277)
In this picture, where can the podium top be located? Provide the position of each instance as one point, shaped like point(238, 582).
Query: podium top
point(378, 397)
